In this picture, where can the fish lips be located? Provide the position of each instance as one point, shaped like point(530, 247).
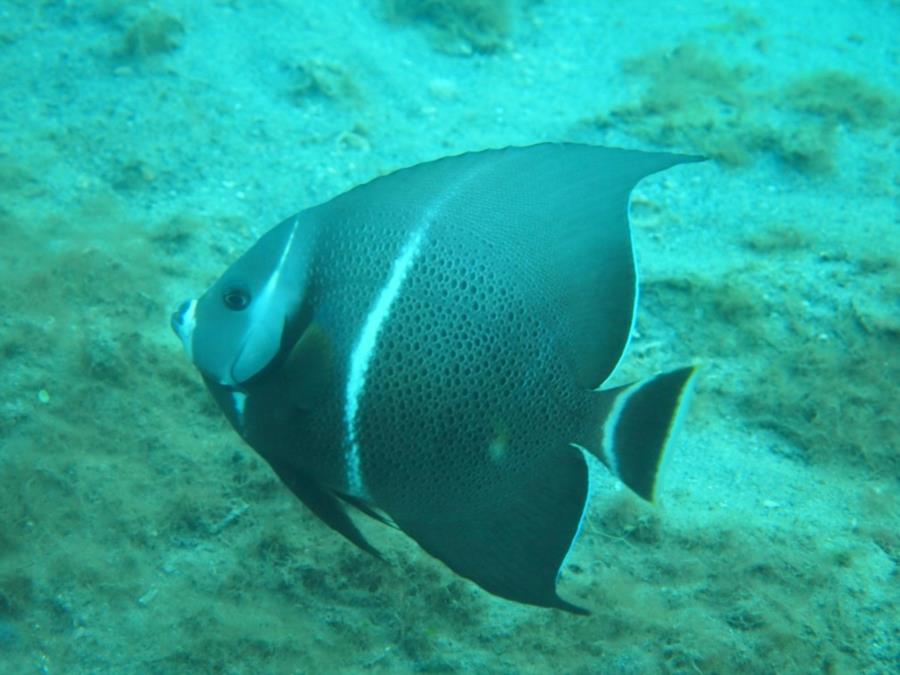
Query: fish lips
point(184, 323)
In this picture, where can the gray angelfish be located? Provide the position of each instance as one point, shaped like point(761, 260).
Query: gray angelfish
point(429, 348)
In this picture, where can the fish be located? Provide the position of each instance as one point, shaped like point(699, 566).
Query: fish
point(431, 349)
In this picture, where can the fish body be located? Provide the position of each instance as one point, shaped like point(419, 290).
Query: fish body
point(430, 347)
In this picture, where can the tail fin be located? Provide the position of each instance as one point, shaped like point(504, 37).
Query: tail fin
point(639, 421)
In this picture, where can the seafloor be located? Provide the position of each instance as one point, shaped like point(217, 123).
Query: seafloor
point(143, 145)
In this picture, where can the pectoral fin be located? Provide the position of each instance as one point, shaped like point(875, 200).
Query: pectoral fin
point(309, 369)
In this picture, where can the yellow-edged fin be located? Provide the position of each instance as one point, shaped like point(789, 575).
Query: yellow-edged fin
point(643, 428)
point(637, 423)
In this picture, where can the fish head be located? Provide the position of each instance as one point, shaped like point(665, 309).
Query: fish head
point(237, 329)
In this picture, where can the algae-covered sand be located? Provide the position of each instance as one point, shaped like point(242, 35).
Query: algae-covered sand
point(144, 145)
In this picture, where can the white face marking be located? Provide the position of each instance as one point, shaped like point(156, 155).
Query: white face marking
point(365, 349)
point(262, 304)
point(185, 325)
point(239, 399)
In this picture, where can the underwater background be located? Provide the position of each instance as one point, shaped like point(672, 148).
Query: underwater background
point(145, 145)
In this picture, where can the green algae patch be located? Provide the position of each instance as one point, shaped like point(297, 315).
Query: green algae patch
point(694, 99)
point(726, 597)
point(830, 386)
point(834, 393)
point(456, 26)
point(153, 33)
point(318, 78)
point(841, 98)
point(141, 33)
point(836, 403)
point(782, 239)
point(731, 306)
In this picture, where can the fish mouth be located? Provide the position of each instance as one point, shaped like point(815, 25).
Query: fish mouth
point(183, 321)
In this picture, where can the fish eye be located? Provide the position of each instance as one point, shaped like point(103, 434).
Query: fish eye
point(236, 299)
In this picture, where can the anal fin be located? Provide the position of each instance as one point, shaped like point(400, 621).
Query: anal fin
point(513, 547)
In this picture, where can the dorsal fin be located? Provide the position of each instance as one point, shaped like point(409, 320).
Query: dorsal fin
point(569, 205)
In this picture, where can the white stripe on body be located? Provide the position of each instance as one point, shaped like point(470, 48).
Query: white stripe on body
point(364, 350)
point(239, 400)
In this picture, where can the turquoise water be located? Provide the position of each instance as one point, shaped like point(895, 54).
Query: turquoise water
point(143, 146)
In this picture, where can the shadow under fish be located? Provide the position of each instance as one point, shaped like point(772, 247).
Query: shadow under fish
point(430, 349)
